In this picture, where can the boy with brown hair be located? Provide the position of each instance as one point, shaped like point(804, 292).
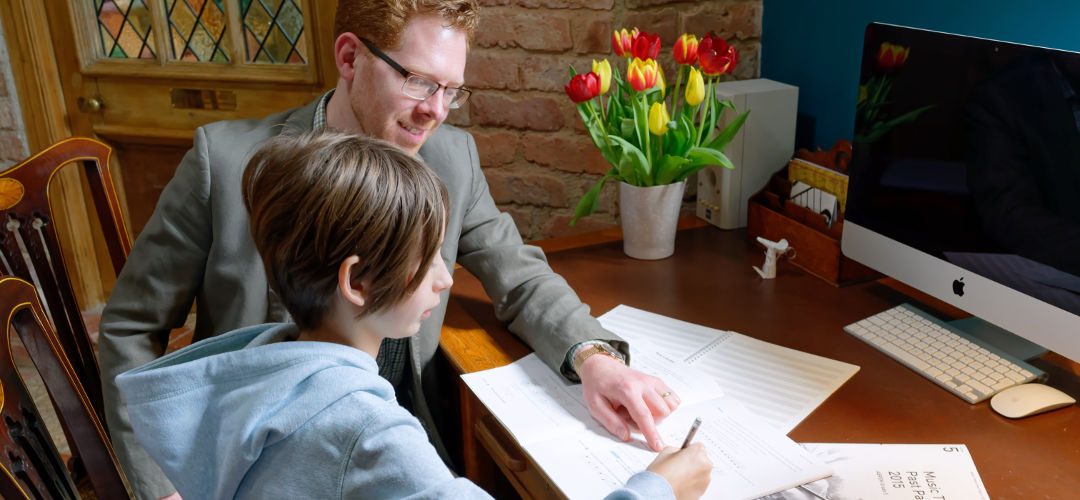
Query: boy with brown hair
point(400, 71)
point(349, 231)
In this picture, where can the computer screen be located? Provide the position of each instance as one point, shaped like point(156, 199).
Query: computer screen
point(965, 177)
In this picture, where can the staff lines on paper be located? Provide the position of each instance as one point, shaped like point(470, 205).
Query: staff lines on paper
point(789, 360)
point(791, 388)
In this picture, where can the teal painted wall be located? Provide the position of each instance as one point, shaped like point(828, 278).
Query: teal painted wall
point(816, 45)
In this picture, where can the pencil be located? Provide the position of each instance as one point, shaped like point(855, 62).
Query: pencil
point(690, 435)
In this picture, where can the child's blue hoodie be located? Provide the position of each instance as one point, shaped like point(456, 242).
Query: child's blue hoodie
point(255, 414)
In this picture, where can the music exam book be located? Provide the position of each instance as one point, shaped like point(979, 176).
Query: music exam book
point(549, 419)
point(892, 472)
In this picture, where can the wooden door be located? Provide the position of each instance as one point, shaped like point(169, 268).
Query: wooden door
point(151, 71)
point(141, 75)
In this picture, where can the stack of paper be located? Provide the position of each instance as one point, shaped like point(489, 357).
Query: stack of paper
point(748, 394)
point(548, 417)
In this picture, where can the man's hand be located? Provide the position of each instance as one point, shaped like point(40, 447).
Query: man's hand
point(620, 397)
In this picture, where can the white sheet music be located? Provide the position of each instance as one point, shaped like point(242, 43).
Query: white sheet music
point(548, 418)
point(781, 385)
point(749, 458)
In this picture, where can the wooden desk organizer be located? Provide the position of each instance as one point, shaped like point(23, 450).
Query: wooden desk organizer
point(817, 246)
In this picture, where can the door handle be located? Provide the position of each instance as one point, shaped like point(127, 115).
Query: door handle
point(90, 104)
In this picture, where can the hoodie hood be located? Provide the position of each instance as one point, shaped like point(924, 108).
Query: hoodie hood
point(207, 411)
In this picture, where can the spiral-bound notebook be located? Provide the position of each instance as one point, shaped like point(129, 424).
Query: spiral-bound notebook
point(780, 385)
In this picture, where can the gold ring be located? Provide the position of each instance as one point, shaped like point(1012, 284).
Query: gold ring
point(665, 394)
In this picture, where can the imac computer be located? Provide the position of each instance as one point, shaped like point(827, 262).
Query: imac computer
point(964, 181)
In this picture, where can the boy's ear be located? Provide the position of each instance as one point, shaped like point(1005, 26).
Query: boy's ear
point(352, 293)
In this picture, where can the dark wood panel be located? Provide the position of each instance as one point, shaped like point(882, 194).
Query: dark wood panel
point(146, 168)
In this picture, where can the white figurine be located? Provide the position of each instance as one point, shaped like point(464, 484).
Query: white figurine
point(773, 249)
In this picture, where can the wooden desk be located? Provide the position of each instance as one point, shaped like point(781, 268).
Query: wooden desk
point(709, 281)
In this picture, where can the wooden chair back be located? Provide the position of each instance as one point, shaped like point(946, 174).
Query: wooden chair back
point(31, 466)
point(30, 248)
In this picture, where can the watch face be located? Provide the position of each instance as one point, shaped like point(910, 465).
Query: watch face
point(613, 353)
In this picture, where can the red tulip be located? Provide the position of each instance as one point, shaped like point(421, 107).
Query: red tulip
point(685, 50)
point(890, 57)
point(716, 56)
point(646, 46)
point(583, 87)
point(622, 42)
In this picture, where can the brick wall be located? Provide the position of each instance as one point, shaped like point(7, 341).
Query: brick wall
point(12, 133)
point(532, 145)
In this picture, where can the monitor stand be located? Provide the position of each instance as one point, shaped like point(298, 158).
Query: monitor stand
point(1000, 338)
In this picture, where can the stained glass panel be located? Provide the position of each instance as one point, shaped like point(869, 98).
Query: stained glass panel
point(197, 29)
point(273, 31)
point(124, 29)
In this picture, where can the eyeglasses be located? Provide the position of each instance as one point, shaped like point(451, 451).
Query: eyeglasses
point(420, 87)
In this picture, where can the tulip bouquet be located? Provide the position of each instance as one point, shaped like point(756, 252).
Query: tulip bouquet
point(652, 136)
point(871, 111)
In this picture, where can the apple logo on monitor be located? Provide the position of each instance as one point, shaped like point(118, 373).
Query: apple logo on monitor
point(958, 287)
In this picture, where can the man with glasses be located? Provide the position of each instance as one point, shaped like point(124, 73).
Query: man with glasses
point(401, 66)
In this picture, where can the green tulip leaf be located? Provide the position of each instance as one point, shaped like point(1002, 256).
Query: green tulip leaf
point(729, 132)
point(634, 159)
point(669, 169)
point(642, 128)
point(707, 156)
point(681, 137)
point(627, 129)
point(687, 170)
point(596, 133)
point(627, 170)
point(639, 122)
point(711, 119)
point(689, 111)
point(701, 160)
point(615, 113)
point(589, 201)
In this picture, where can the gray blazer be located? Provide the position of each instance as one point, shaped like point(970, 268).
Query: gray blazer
point(197, 248)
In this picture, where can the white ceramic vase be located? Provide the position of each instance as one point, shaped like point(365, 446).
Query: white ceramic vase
point(649, 217)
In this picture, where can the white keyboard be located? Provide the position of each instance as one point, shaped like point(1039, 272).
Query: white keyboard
point(965, 366)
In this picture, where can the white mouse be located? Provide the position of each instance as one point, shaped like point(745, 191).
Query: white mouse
point(1029, 399)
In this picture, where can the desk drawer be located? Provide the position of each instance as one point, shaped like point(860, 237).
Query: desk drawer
point(527, 478)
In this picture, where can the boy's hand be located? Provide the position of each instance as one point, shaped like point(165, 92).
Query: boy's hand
point(621, 398)
point(688, 471)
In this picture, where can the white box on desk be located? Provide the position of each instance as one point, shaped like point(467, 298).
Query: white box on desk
point(763, 146)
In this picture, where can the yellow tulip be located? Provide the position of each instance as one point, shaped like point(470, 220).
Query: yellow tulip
point(603, 69)
point(658, 119)
point(695, 88)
